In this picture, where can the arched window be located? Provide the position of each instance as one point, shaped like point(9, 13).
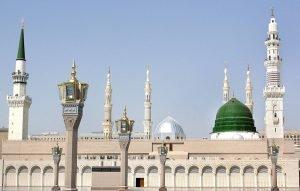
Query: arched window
point(180, 169)
point(262, 169)
point(168, 169)
point(193, 169)
point(221, 169)
point(153, 169)
point(248, 169)
point(207, 169)
point(235, 169)
point(139, 169)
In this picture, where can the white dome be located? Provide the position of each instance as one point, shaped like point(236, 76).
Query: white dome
point(169, 128)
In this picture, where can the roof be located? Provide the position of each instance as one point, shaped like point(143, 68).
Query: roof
point(234, 116)
point(21, 50)
point(169, 128)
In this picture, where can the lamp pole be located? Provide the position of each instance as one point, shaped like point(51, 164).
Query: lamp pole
point(72, 96)
point(124, 128)
point(56, 154)
point(274, 150)
point(163, 151)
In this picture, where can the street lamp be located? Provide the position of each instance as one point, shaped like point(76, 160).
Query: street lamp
point(56, 154)
point(163, 151)
point(72, 95)
point(274, 150)
point(124, 128)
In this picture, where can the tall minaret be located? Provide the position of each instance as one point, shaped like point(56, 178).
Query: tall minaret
point(147, 105)
point(274, 90)
point(226, 87)
point(19, 102)
point(248, 89)
point(107, 123)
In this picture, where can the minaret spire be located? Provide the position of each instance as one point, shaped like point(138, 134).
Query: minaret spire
point(19, 103)
point(226, 87)
point(107, 122)
point(248, 90)
point(274, 90)
point(147, 106)
point(21, 50)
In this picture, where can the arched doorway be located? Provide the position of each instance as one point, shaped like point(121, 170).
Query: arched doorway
point(153, 177)
point(194, 177)
point(208, 177)
point(249, 177)
point(10, 176)
point(23, 176)
point(139, 173)
point(180, 177)
point(221, 177)
point(235, 177)
point(48, 176)
point(263, 178)
point(36, 176)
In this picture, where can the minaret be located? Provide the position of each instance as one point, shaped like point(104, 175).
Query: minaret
point(147, 106)
point(248, 89)
point(19, 102)
point(107, 123)
point(226, 87)
point(274, 90)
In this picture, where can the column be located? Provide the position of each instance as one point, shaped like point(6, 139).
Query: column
point(124, 141)
point(162, 160)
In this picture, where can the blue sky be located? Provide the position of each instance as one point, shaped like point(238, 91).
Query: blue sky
point(185, 42)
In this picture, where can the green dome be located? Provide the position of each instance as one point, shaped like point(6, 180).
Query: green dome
point(234, 116)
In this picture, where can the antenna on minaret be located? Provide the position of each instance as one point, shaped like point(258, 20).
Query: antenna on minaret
point(226, 87)
point(108, 76)
point(148, 73)
point(272, 12)
point(125, 111)
point(73, 72)
point(225, 70)
point(22, 23)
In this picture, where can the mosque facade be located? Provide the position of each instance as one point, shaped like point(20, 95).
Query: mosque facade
point(236, 155)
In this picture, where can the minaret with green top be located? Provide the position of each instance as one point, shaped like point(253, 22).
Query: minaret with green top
point(19, 103)
point(21, 51)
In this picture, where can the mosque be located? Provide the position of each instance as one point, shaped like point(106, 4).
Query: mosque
point(236, 155)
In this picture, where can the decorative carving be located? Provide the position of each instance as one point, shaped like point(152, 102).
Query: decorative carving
point(124, 141)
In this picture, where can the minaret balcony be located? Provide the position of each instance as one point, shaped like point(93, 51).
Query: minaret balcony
point(272, 42)
point(274, 91)
point(19, 101)
point(268, 62)
point(20, 77)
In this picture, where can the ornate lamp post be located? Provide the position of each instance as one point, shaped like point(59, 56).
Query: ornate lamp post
point(274, 150)
point(56, 153)
point(163, 151)
point(124, 128)
point(72, 96)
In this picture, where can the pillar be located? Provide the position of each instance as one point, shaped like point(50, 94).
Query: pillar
point(72, 122)
point(162, 160)
point(55, 171)
point(124, 141)
point(274, 178)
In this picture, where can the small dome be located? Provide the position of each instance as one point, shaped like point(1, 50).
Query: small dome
point(169, 129)
point(234, 116)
